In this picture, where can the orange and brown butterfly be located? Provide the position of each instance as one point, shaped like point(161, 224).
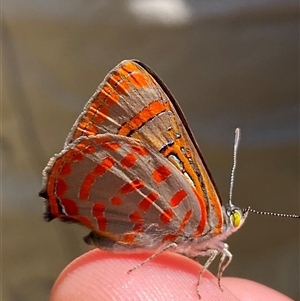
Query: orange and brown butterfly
point(132, 172)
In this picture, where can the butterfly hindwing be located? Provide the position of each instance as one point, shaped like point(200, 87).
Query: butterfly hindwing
point(123, 190)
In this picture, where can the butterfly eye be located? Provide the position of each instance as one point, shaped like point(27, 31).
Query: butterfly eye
point(236, 218)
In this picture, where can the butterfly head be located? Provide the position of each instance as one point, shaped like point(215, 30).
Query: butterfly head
point(234, 216)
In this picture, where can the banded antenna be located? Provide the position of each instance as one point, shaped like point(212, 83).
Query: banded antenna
point(273, 213)
point(235, 148)
point(237, 135)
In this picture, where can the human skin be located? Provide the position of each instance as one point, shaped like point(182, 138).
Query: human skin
point(98, 275)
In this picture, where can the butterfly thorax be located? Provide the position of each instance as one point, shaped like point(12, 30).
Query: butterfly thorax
point(203, 245)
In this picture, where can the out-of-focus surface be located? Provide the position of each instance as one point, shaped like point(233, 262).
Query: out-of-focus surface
point(228, 64)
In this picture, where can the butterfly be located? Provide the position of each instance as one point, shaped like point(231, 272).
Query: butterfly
point(132, 172)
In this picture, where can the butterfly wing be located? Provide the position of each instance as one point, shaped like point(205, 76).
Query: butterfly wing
point(132, 101)
point(127, 193)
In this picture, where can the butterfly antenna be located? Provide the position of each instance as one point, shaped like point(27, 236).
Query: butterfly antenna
point(235, 148)
point(273, 213)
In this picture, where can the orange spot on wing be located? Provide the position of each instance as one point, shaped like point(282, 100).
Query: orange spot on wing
point(128, 68)
point(106, 164)
point(70, 206)
point(98, 212)
point(166, 216)
point(101, 115)
point(51, 187)
point(161, 173)
point(81, 146)
point(129, 160)
point(61, 187)
point(139, 227)
point(115, 79)
point(85, 188)
point(74, 154)
point(147, 113)
point(185, 219)
point(78, 157)
point(178, 197)
point(148, 201)
point(203, 217)
point(139, 80)
point(119, 84)
point(169, 237)
point(91, 149)
point(92, 110)
point(116, 201)
point(90, 130)
point(111, 145)
point(132, 186)
point(156, 107)
point(85, 128)
point(122, 87)
point(135, 217)
point(113, 98)
point(140, 150)
point(98, 209)
point(129, 238)
point(108, 95)
point(66, 169)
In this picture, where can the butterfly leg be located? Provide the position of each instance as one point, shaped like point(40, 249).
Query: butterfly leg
point(172, 245)
point(223, 264)
point(211, 258)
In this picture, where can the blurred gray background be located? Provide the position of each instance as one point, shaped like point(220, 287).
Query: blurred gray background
point(228, 63)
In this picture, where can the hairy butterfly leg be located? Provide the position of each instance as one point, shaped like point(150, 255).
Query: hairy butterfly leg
point(223, 264)
point(167, 247)
point(208, 262)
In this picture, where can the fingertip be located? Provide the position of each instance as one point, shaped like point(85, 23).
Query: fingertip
point(98, 275)
point(250, 290)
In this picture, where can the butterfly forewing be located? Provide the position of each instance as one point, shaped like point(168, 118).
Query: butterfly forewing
point(132, 101)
